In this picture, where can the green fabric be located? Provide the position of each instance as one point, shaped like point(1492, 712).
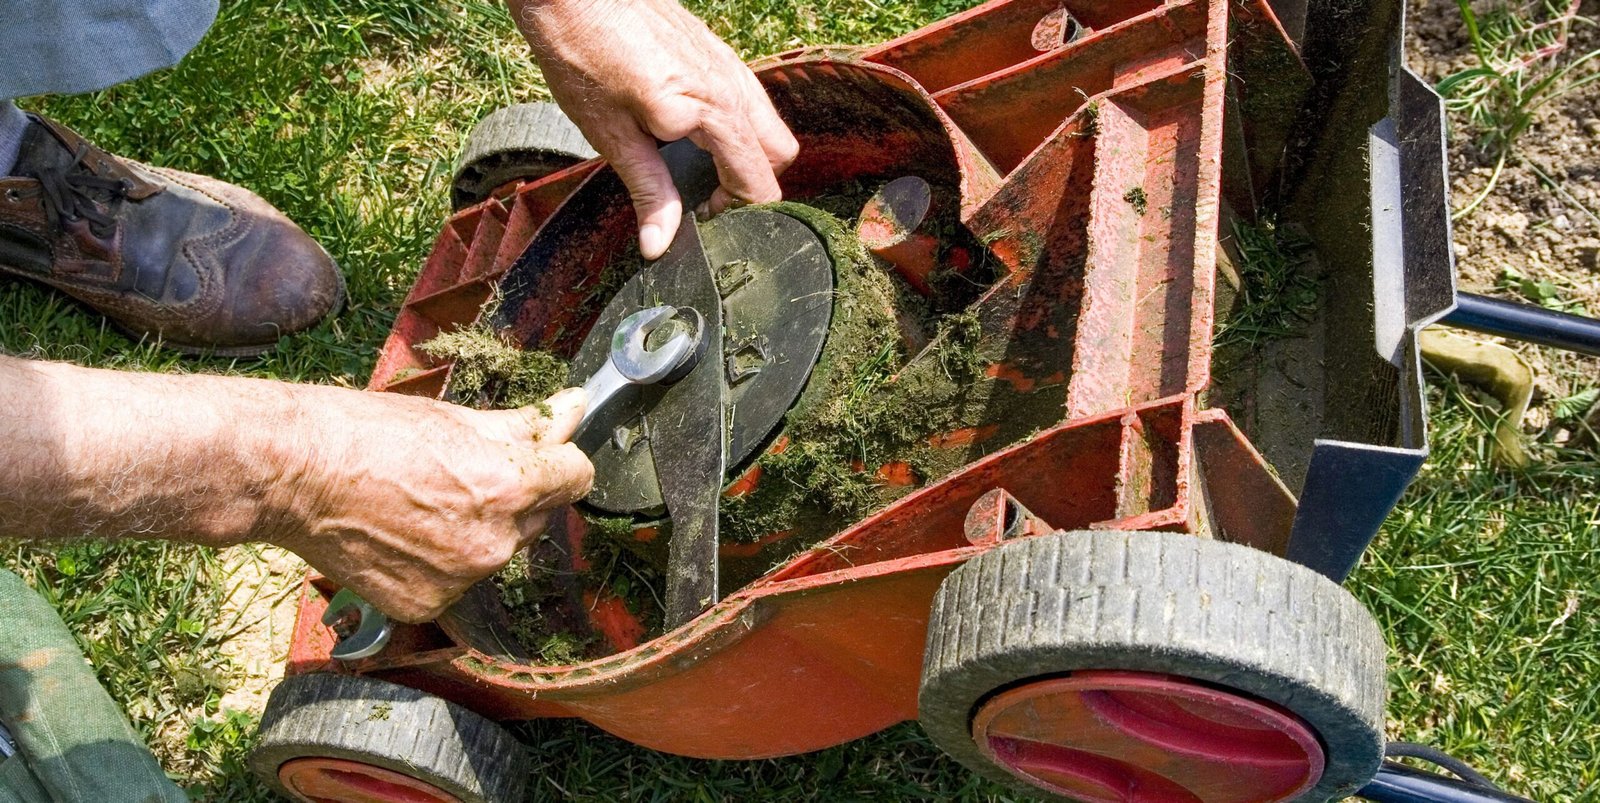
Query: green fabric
point(17, 784)
point(74, 743)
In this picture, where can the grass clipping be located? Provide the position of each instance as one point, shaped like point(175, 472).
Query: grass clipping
point(865, 405)
point(491, 374)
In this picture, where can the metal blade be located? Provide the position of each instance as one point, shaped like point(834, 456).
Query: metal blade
point(688, 432)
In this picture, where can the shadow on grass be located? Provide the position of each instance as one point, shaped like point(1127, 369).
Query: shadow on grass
point(575, 761)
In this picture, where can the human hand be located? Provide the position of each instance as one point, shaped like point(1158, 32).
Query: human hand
point(408, 501)
point(631, 72)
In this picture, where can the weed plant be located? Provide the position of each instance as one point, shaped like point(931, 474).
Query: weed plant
point(1520, 68)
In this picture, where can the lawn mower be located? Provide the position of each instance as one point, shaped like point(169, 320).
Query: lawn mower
point(991, 424)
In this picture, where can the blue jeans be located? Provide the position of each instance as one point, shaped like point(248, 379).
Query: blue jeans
point(57, 47)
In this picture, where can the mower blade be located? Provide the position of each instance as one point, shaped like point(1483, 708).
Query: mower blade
point(687, 430)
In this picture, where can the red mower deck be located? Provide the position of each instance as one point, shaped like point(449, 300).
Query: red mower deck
point(1099, 157)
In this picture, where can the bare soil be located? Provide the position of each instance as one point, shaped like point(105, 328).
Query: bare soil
point(1545, 231)
point(258, 612)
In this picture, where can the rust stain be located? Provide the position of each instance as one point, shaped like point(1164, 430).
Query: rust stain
point(966, 436)
point(1006, 372)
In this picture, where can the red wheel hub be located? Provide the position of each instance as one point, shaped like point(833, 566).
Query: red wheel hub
point(339, 780)
point(1134, 736)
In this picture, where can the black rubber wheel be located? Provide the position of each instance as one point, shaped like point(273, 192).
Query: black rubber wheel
point(525, 141)
point(1221, 614)
point(392, 727)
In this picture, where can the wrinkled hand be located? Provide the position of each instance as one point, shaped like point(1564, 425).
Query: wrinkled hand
point(631, 72)
point(409, 501)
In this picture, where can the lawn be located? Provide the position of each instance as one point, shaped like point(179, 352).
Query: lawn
point(348, 115)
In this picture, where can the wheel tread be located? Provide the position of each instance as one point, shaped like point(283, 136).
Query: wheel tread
point(1157, 602)
point(423, 736)
point(525, 140)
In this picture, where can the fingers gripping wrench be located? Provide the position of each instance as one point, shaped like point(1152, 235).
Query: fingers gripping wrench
point(364, 630)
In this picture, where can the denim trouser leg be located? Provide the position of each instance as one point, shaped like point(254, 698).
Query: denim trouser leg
point(12, 123)
point(55, 47)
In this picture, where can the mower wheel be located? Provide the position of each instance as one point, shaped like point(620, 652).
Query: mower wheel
point(342, 739)
point(526, 141)
point(1111, 666)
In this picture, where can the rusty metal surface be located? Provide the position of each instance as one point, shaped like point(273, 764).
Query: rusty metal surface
point(1091, 171)
point(1248, 504)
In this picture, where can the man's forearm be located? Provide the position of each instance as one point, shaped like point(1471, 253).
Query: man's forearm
point(111, 454)
point(408, 501)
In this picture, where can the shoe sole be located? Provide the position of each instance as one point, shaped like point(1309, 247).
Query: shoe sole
point(339, 299)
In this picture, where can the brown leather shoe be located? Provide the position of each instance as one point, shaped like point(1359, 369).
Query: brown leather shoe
point(207, 266)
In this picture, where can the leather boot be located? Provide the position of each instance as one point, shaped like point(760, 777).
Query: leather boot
point(205, 266)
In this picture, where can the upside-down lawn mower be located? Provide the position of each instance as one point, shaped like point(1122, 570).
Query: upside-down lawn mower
point(987, 424)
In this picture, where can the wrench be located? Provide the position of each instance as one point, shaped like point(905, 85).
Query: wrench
point(371, 628)
point(629, 363)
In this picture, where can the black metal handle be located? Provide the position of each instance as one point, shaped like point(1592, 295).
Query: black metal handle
point(1397, 783)
point(1525, 322)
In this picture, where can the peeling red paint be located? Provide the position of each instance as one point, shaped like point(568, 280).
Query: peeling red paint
point(1008, 373)
point(966, 436)
point(897, 474)
point(610, 615)
point(753, 548)
point(746, 484)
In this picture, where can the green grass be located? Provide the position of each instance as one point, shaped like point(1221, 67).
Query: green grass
point(575, 761)
point(1275, 298)
point(1484, 582)
point(348, 115)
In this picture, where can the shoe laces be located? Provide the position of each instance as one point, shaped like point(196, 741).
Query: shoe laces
point(72, 191)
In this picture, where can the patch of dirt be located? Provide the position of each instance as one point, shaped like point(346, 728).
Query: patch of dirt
point(258, 615)
point(1547, 232)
